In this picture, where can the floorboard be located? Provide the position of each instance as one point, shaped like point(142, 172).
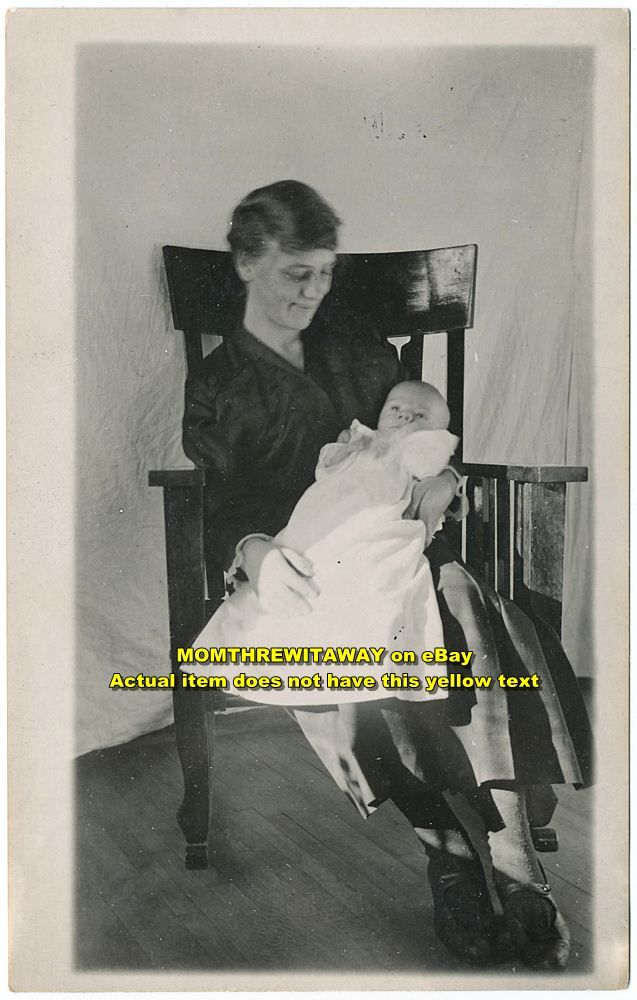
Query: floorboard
point(297, 879)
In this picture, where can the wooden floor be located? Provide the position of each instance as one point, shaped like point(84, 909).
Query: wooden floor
point(299, 881)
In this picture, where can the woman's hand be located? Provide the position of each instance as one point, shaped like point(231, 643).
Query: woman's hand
point(280, 577)
point(431, 498)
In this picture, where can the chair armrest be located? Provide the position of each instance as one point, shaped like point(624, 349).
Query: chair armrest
point(528, 473)
point(514, 533)
point(184, 494)
point(177, 477)
point(184, 527)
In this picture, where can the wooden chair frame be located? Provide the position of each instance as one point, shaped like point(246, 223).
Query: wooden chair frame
point(513, 536)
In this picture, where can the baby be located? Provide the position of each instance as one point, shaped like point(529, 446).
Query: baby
point(374, 583)
point(415, 406)
point(409, 407)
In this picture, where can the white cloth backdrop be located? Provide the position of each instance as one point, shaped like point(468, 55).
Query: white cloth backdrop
point(414, 149)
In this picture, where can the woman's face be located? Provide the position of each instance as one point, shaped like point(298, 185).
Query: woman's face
point(284, 289)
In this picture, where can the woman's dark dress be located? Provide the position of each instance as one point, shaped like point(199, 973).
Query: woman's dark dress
point(259, 423)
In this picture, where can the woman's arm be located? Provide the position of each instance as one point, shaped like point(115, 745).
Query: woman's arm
point(280, 577)
point(431, 499)
point(211, 439)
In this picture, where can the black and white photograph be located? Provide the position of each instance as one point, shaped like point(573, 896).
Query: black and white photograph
point(318, 431)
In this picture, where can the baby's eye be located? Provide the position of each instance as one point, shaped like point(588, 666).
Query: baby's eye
point(393, 408)
point(419, 416)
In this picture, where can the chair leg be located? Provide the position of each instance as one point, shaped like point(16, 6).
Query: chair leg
point(196, 857)
point(194, 729)
point(545, 839)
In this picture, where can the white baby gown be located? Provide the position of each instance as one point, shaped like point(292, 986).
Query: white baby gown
point(376, 588)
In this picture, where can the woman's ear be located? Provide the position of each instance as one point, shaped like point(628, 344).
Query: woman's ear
point(244, 264)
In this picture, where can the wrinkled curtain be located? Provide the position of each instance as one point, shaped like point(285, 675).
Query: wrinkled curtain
point(419, 148)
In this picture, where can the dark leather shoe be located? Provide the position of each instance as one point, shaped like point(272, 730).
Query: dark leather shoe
point(538, 931)
point(463, 915)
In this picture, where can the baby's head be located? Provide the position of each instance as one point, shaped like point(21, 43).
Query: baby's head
point(414, 406)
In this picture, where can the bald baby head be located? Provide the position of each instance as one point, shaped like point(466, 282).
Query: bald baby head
point(414, 406)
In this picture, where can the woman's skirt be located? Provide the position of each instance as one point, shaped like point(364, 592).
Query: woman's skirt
point(521, 736)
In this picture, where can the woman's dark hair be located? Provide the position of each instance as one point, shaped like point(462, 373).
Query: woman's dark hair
point(289, 212)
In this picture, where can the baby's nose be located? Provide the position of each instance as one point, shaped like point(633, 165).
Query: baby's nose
point(404, 416)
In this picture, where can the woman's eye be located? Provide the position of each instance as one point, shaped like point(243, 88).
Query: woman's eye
point(298, 278)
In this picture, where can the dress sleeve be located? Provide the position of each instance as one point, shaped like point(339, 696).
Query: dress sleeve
point(335, 453)
point(426, 453)
point(213, 438)
point(207, 438)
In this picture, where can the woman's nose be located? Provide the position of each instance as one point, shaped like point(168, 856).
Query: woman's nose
point(313, 289)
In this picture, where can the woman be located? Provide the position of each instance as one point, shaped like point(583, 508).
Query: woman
point(258, 410)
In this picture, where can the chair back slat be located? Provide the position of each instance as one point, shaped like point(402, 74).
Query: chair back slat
point(406, 295)
point(403, 294)
point(206, 295)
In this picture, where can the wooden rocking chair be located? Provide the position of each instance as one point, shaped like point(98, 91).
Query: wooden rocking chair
point(513, 536)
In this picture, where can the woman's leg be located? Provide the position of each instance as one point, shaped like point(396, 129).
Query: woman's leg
point(538, 930)
point(512, 851)
point(373, 753)
point(533, 737)
point(424, 740)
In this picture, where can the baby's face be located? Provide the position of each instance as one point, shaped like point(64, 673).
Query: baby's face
point(413, 406)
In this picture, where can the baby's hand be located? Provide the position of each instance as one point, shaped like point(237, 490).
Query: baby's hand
point(430, 499)
point(344, 437)
point(280, 577)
